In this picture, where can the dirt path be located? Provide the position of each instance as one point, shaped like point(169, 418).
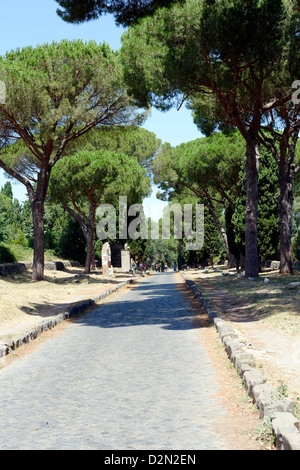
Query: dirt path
point(277, 350)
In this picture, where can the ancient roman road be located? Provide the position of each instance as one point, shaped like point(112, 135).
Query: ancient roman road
point(131, 374)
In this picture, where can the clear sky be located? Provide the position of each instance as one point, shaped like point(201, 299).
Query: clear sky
point(33, 22)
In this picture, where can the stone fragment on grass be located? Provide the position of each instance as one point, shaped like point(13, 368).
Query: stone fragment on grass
point(293, 285)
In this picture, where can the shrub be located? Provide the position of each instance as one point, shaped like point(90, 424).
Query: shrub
point(6, 256)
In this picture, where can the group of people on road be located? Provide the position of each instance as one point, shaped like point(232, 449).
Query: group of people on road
point(161, 267)
point(142, 267)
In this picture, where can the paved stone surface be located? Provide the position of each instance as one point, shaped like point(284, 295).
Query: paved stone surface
point(132, 374)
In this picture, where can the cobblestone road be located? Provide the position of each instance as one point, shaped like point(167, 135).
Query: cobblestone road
point(132, 374)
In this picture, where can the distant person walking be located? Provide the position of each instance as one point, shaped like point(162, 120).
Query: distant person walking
point(133, 267)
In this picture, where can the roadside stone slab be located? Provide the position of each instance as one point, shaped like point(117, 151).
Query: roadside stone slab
point(251, 378)
point(12, 268)
point(4, 349)
point(17, 268)
point(286, 429)
point(225, 330)
point(293, 285)
point(243, 361)
point(232, 346)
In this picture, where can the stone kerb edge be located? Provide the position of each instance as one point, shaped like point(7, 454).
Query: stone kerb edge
point(6, 347)
point(285, 425)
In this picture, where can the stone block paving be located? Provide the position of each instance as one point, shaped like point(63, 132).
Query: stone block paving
point(131, 374)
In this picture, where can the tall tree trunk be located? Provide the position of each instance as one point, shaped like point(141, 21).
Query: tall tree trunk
point(38, 233)
point(221, 229)
point(90, 255)
point(251, 212)
point(37, 201)
point(87, 225)
point(286, 175)
point(286, 183)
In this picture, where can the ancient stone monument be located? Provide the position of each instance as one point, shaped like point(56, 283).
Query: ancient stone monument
point(125, 261)
point(107, 269)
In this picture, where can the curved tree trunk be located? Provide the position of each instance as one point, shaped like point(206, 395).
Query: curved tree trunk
point(286, 183)
point(37, 201)
point(90, 255)
point(87, 225)
point(90, 258)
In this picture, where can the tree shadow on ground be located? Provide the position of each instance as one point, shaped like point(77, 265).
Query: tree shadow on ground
point(73, 276)
point(254, 304)
point(168, 305)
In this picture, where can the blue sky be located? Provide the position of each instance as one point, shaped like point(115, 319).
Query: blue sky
point(33, 22)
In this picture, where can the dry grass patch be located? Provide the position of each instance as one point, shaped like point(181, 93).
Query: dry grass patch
point(24, 303)
point(253, 299)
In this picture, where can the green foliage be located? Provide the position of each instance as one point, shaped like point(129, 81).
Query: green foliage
point(208, 162)
point(58, 85)
point(98, 177)
point(212, 246)
point(235, 54)
point(160, 252)
point(71, 244)
point(87, 179)
point(7, 190)
point(130, 140)
point(296, 247)
point(11, 217)
point(125, 12)
point(198, 47)
point(207, 168)
point(56, 93)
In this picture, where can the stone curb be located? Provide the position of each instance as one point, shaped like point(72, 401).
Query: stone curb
point(14, 343)
point(280, 412)
point(17, 268)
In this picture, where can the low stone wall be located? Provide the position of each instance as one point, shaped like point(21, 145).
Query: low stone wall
point(276, 264)
point(279, 411)
point(17, 268)
point(12, 268)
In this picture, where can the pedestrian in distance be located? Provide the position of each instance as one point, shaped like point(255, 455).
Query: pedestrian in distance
point(133, 267)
